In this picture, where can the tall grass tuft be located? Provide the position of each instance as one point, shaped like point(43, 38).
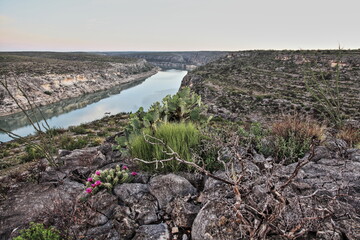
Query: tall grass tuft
point(181, 137)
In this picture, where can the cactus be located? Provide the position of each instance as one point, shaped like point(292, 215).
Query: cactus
point(107, 179)
point(181, 107)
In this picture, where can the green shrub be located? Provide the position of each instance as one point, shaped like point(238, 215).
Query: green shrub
point(71, 143)
point(79, 129)
point(32, 152)
point(180, 137)
point(287, 139)
point(37, 231)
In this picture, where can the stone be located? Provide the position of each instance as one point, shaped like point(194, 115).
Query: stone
point(103, 202)
point(182, 212)
point(168, 187)
point(216, 220)
point(141, 202)
point(152, 232)
point(124, 223)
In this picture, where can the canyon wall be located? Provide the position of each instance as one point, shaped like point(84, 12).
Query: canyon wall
point(49, 80)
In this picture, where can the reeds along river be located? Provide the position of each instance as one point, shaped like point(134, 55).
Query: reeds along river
point(89, 107)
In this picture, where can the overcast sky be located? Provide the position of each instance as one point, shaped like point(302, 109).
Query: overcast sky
point(169, 25)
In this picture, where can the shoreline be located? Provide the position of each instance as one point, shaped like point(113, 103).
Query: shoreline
point(49, 101)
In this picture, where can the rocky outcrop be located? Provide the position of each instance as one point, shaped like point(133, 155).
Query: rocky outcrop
point(169, 206)
point(49, 84)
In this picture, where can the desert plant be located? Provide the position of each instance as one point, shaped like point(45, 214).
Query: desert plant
point(287, 139)
point(108, 178)
point(181, 137)
point(45, 146)
point(326, 93)
point(37, 231)
point(181, 107)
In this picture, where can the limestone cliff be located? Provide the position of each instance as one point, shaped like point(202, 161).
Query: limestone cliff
point(48, 80)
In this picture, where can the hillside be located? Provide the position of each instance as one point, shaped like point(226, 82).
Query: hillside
point(268, 83)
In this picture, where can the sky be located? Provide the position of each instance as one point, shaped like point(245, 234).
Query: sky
point(178, 25)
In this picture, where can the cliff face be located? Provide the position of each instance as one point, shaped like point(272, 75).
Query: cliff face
point(48, 80)
point(265, 83)
point(179, 60)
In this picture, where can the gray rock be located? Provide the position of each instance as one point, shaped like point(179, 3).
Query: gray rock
point(141, 202)
point(320, 153)
point(29, 202)
point(168, 187)
point(182, 212)
point(124, 223)
point(336, 145)
point(103, 202)
point(216, 220)
point(152, 232)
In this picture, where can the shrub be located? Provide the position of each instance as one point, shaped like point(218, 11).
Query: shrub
point(293, 136)
point(180, 137)
point(79, 129)
point(32, 152)
point(287, 139)
point(37, 231)
point(71, 143)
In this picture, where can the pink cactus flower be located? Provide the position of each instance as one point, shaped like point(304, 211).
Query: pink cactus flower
point(88, 190)
point(134, 173)
point(98, 173)
point(93, 185)
point(97, 183)
point(89, 179)
point(125, 168)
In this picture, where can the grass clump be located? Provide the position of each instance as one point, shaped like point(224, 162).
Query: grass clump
point(180, 137)
point(37, 231)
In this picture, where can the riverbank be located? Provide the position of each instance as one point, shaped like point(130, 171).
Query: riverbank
point(49, 80)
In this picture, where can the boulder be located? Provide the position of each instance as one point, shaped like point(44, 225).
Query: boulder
point(152, 232)
point(141, 202)
point(168, 187)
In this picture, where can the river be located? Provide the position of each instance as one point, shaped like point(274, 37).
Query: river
point(90, 107)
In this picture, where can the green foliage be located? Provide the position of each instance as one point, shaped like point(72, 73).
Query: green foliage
point(286, 140)
point(71, 143)
point(180, 137)
point(255, 136)
point(291, 148)
point(181, 107)
point(37, 231)
point(32, 152)
point(79, 129)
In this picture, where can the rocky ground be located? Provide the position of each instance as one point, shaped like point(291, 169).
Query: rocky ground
point(184, 205)
point(51, 77)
